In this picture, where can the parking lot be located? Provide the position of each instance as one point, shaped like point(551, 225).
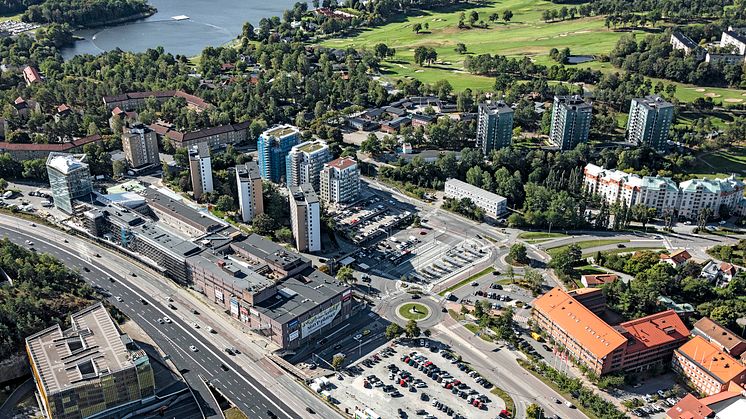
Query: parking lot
point(415, 380)
point(371, 219)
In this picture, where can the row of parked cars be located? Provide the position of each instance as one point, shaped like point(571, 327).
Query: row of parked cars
point(445, 379)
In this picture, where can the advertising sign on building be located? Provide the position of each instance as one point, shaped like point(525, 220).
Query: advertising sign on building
point(293, 335)
point(244, 314)
point(219, 295)
point(347, 295)
point(234, 307)
point(254, 312)
point(320, 320)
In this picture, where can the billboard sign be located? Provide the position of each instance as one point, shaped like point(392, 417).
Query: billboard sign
point(320, 320)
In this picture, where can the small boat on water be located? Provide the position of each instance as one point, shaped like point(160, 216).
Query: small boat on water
point(180, 17)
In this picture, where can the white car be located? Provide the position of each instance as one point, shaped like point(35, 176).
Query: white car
point(29, 242)
point(195, 325)
point(166, 319)
point(358, 336)
point(118, 298)
point(192, 348)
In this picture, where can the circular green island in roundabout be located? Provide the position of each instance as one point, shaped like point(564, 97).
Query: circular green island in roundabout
point(413, 311)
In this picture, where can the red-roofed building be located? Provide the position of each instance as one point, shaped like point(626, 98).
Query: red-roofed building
point(707, 366)
point(22, 151)
point(689, 408)
point(636, 345)
point(598, 280)
point(728, 341)
point(676, 259)
point(339, 181)
point(31, 75)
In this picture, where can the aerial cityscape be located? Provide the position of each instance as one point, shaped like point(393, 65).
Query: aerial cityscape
point(373, 209)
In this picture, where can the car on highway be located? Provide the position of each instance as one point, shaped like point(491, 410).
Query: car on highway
point(29, 242)
point(192, 348)
point(160, 320)
point(224, 367)
point(118, 298)
point(172, 307)
point(85, 269)
point(311, 411)
point(166, 319)
point(358, 336)
point(475, 284)
point(144, 301)
point(337, 346)
point(195, 325)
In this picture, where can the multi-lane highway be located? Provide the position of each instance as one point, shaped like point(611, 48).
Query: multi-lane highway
point(198, 357)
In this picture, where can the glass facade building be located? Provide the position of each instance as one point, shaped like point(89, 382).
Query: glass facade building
point(69, 179)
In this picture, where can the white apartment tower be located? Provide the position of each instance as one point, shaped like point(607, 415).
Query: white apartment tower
point(250, 197)
point(339, 181)
point(200, 167)
point(304, 162)
point(305, 218)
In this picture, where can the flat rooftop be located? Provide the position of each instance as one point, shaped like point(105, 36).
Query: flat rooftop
point(230, 271)
point(90, 348)
point(300, 294)
point(280, 131)
point(311, 146)
point(270, 252)
point(303, 194)
point(248, 171)
point(178, 209)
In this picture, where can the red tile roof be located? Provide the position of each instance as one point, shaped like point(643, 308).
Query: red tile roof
point(61, 147)
point(579, 322)
point(711, 359)
point(677, 257)
point(716, 332)
point(342, 162)
point(600, 279)
point(31, 75)
point(654, 330)
point(689, 408)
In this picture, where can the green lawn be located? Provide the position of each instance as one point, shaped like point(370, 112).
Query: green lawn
point(540, 235)
point(586, 244)
point(525, 35)
point(721, 163)
point(589, 270)
point(422, 311)
point(631, 250)
point(509, 403)
point(479, 274)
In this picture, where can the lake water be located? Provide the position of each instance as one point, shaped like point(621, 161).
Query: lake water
point(211, 22)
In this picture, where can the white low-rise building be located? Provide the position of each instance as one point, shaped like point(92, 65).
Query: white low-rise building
point(493, 204)
point(686, 199)
point(716, 194)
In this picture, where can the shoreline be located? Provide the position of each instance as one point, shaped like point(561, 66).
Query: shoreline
point(124, 19)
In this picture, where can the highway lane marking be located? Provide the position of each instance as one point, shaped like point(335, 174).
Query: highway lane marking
point(185, 329)
point(178, 348)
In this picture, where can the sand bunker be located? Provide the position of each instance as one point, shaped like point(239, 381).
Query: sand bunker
point(712, 94)
point(733, 100)
point(700, 90)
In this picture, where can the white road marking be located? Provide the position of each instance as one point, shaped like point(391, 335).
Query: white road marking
point(124, 284)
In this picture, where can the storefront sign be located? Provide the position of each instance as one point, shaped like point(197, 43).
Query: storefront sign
point(320, 320)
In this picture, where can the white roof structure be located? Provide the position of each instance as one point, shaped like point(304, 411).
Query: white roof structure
point(736, 410)
point(66, 163)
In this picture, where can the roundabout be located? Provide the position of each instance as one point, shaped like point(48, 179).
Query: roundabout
point(413, 311)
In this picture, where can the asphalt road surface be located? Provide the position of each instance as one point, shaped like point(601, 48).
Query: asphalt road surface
point(174, 339)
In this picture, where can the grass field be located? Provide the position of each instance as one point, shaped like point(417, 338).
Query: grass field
point(533, 235)
point(422, 311)
point(721, 163)
point(460, 284)
point(632, 250)
point(525, 35)
point(586, 244)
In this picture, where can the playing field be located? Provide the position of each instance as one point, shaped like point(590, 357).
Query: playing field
point(525, 35)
